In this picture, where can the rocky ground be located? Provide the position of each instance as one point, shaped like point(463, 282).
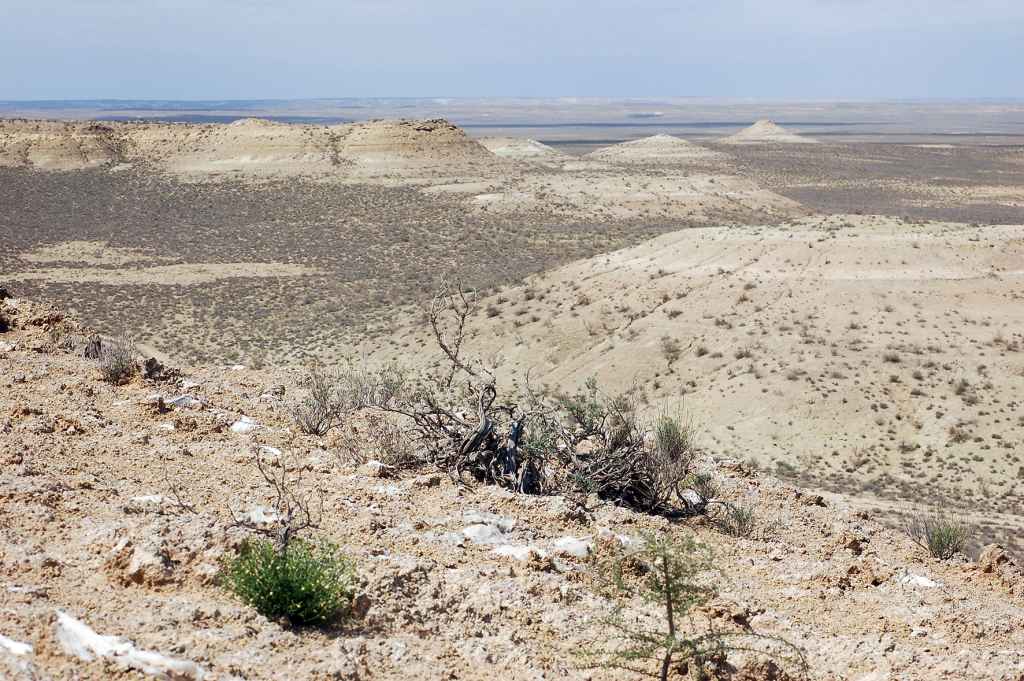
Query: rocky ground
point(116, 508)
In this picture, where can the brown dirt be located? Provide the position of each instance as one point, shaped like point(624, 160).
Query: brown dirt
point(82, 534)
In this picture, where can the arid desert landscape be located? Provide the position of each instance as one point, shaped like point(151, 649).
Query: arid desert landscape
point(456, 345)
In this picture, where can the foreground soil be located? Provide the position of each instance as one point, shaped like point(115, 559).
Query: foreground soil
point(115, 511)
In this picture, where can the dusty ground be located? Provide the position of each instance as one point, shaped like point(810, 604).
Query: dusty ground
point(959, 183)
point(91, 527)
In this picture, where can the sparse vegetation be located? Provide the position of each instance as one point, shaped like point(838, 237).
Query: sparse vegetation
point(117, 360)
point(674, 576)
point(737, 520)
point(670, 350)
point(321, 408)
point(306, 583)
point(941, 535)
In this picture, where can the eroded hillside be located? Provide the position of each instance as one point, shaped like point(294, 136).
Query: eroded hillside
point(861, 354)
point(118, 503)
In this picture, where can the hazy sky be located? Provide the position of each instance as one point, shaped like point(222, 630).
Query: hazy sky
point(220, 49)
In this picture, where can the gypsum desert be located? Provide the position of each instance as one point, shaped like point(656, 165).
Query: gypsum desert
point(845, 345)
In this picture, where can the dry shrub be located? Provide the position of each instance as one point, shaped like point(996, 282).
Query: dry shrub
point(941, 535)
point(117, 360)
point(321, 408)
point(530, 441)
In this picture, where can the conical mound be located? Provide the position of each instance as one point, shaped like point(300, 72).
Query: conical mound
point(767, 132)
point(655, 149)
point(519, 148)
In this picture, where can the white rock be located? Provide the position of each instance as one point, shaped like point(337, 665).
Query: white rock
point(237, 367)
point(918, 580)
point(521, 553)
point(167, 426)
point(483, 534)
point(188, 384)
point(692, 498)
point(624, 539)
point(259, 515)
point(148, 500)
point(185, 402)
point(272, 452)
point(145, 503)
point(15, 647)
point(78, 640)
point(244, 425)
point(501, 522)
point(374, 469)
point(453, 538)
point(572, 546)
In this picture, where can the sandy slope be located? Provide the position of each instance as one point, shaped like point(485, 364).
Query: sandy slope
point(861, 354)
point(658, 149)
point(766, 132)
point(92, 476)
point(521, 149)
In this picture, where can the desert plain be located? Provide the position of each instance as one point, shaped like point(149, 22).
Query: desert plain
point(840, 316)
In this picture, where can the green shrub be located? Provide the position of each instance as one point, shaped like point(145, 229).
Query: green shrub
point(943, 537)
point(672, 576)
point(306, 583)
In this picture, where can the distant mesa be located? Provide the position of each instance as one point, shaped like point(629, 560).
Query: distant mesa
point(247, 147)
point(767, 132)
point(655, 149)
point(520, 148)
point(56, 145)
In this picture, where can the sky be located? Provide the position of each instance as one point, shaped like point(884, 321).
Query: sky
point(263, 49)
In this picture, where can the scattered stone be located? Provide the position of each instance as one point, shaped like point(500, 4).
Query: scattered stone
point(244, 425)
point(911, 579)
point(150, 503)
point(376, 469)
point(187, 402)
point(78, 640)
point(14, 647)
point(520, 553)
point(144, 564)
point(572, 546)
point(481, 533)
point(502, 523)
point(425, 481)
point(16, 661)
point(851, 542)
point(259, 516)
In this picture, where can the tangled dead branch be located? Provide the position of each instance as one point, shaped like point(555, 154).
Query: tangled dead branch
point(531, 442)
point(294, 509)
